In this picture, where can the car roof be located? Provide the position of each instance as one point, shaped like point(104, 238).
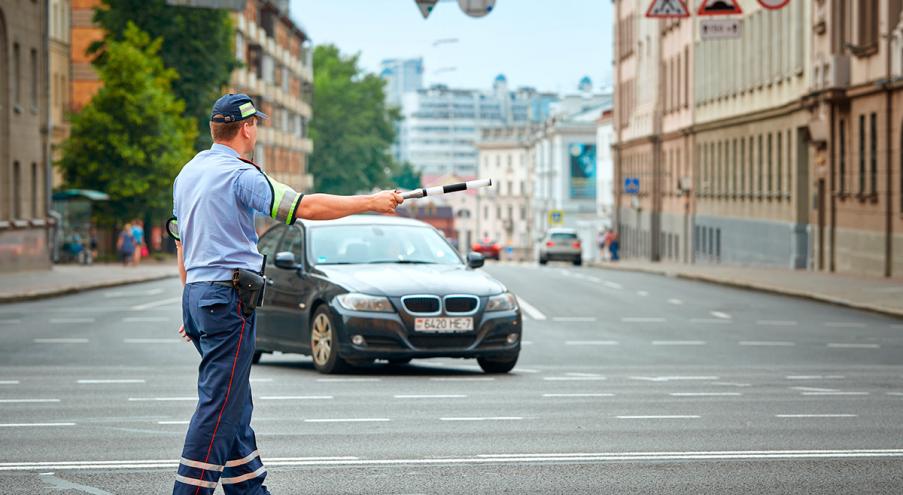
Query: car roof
point(562, 231)
point(367, 220)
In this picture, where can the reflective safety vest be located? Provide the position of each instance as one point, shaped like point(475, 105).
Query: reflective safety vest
point(284, 202)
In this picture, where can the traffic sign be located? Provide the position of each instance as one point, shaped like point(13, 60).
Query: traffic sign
point(664, 9)
point(720, 29)
point(774, 4)
point(476, 8)
point(556, 217)
point(426, 6)
point(719, 7)
point(632, 185)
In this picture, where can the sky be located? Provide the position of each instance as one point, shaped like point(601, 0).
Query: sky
point(546, 44)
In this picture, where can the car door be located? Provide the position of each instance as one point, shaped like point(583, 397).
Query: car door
point(267, 246)
point(291, 294)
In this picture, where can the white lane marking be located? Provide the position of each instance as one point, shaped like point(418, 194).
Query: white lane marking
point(676, 302)
point(845, 324)
point(531, 310)
point(594, 279)
point(259, 380)
point(591, 342)
point(642, 293)
point(815, 377)
point(710, 321)
point(613, 285)
point(814, 389)
point(776, 323)
point(897, 394)
point(297, 397)
point(719, 314)
point(10, 322)
point(582, 374)
point(9, 382)
point(642, 319)
point(674, 416)
point(705, 394)
point(766, 343)
point(61, 341)
point(156, 304)
point(161, 399)
point(26, 401)
point(436, 396)
point(526, 370)
point(526, 342)
point(58, 321)
point(180, 422)
point(346, 380)
point(490, 418)
point(574, 318)
point(573, 378)
point(815, 415)
point(483, 459)
point(672, 378)
point(93, 382)
point(835, 393)
point(151, 292)
point(145, 319)
point(577, 395)
point(732, 384)
point(679, 342)
point(347, 420)
point(853, 346)
point(465, 379)
point(152, 341)
point(25, 425)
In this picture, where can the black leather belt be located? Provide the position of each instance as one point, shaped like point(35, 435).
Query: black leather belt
point(227, 283)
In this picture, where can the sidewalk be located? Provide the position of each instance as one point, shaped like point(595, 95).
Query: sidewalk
point(869, 293)
point(66, 279)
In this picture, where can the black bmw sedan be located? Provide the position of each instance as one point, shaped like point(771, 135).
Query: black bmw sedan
point(367, 287)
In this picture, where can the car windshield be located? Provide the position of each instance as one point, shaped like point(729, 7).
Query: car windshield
point(563, 236)
point(365, 244)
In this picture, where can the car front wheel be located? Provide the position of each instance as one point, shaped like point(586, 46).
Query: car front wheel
point(324, 346)
point(497, 365)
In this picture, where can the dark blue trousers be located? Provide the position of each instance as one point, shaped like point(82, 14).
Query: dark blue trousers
point(220, 446)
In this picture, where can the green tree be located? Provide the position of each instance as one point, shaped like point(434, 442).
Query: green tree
point(352, 128)
point(197, 43)
point(131, 140)
point(405, 177)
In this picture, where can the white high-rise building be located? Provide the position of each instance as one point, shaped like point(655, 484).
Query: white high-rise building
point(402, 75)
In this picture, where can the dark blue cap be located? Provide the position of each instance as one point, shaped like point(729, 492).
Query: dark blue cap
point(233, 108)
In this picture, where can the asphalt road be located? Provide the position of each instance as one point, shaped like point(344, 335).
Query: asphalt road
point(627, 383)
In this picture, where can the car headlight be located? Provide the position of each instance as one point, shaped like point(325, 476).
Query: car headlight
point(363, 302)
point(502, 302)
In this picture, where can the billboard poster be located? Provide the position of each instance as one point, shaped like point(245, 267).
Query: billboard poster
point(583, 170)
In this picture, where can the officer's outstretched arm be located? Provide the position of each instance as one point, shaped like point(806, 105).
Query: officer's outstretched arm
point(330, 207)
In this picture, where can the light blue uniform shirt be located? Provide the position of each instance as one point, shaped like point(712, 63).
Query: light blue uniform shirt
point(215, 197)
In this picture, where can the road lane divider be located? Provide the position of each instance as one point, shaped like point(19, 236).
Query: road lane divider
point(61, 341)
point(111, 381)
point(162, 399)
point(530, 310)
point(297, 397)
point(852, 346)
point(591, 342)
point(157, 304)
point(27, 401)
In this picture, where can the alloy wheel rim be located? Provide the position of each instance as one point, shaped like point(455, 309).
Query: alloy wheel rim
point(322, 339)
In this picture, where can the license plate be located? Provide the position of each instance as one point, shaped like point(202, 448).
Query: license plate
point(443, 325)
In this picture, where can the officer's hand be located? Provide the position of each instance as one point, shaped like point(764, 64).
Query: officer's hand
point(386, 201)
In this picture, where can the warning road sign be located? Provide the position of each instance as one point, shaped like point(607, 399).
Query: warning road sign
point(719, 7)
point(774, 4)
point(426, 6)
point(664, 9)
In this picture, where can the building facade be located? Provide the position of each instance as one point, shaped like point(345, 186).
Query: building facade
point(442, 125)
point(59, 70)
point(401, 76)
point(504, 211)
point(24, 140)
point(277, 72)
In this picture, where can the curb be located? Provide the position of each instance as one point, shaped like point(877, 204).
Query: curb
point(73, 289)
point(756, 287)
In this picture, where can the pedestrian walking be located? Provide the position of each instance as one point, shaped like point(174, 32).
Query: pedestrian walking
point(125, 245)
point(214, 200)
point(614, 246)
point(606, 244)
point(140, 244)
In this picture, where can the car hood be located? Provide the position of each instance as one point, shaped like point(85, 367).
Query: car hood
point(401, 280)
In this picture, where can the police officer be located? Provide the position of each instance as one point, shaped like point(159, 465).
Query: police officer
point(215, 198)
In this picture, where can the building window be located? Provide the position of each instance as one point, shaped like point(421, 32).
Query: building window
point(861, 155)
point(779, 174)
point(873, 154)
point(760, 173)
point(742, 171)
point(734, 167)
point(34, 190)
point(17, 191)
point(34, 79)
point(770, 167)
point(17, 76)
point(842, 172)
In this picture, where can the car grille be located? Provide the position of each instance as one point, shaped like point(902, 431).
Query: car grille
point(421, 304)
point(442, 341)
point(461, 304)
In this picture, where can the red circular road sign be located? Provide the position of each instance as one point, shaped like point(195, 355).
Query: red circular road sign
point(773, 4)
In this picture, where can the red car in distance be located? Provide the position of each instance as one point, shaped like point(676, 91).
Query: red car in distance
point(488, 248)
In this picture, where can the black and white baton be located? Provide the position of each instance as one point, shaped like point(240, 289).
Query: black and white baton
point(437, 190)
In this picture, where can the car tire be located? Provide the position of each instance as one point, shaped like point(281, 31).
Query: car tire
point(578, 261)
point(497, 365)
point(256, 358)
point(324, 346)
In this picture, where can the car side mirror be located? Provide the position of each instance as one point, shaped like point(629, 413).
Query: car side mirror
point(286, 261)
point(475, 260)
